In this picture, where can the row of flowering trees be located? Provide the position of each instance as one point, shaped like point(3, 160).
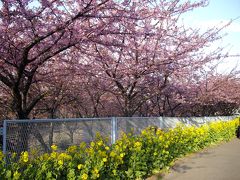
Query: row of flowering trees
point(95, 58)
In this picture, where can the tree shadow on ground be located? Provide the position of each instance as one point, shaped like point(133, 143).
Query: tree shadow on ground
point(180, 165)
point(184, 164)
point(181, 168)
point(203, 154)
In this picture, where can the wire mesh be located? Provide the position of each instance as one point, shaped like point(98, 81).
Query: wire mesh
point(27, 135)
point(1, 134)
point(41, 134)
point(136, 124)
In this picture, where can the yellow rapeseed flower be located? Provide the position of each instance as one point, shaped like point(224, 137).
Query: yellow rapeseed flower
point(159, 132)
point(82, 145)
point(102, 153)
point(92, 144)
point(137, 144)
point(104, 159)
point(1, 155)
point(114, 172)
point(60, 162)
point(100, 143)
point(64, 156)
point(122, 155)
point(107, 148)
point(16, 175)
point(14, 155)
point(84, 176)
point(80, 166)
point(53, 155)
point(72, 149)
point(90, 150)
point(144, 132)
point(54, 147)
point(25, 156)
point(112, 154)
point(120, 143)
point(117, 147)
point(166, 146)
point(160, 138)
point(96, 172)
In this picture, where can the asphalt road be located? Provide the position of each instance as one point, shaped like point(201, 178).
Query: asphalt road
point(221, 162)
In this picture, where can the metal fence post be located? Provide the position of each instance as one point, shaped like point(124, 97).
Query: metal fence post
point(4, 137)
point(188, 121)
point(161, 124)
point(113, 130)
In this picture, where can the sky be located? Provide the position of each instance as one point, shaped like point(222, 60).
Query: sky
point(216, 13)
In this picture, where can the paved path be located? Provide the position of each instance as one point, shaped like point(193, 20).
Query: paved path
point(216, 163)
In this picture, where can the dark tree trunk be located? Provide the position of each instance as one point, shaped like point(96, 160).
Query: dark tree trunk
point(23, 136)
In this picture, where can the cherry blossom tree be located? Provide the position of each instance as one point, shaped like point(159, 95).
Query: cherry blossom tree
point(148, 67)
point(218, 95)
point(100, 58)
point(33, 33)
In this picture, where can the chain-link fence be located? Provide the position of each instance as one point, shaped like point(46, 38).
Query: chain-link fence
point(25, 135)
point(1, 134)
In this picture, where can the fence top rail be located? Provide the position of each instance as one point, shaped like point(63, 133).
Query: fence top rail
point(55, 120)
point(174, 116)
point(103, 118)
